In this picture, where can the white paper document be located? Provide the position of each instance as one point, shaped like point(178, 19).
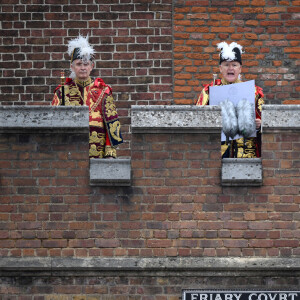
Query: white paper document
point(234, 92)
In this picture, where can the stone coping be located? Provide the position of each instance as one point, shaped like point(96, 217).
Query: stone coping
point(280, 117)
point(148, 264)
point(241, 172)
point(205, 119)
point(44, 118)
point(110, 172)
point(144, 118)
point(175, 118)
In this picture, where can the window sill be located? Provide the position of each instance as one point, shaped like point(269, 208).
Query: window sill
point(241, 172)
point(110, 172)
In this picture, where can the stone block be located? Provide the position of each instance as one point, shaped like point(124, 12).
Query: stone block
point(175, 118)
point(44, 118)
point(280, 117)
point(241, 172)
point(110, 172)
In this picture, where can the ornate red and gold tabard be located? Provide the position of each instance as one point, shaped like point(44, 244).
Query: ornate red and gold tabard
point(253, 145)
point(104, 123)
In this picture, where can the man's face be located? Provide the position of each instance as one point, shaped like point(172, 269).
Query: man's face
point(82, 69)
point(230, 70)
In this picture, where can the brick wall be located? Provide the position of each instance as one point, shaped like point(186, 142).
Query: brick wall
point(133, 41)
point(140, 54)
point(43, 186)
point(268, 31)
point(175, 207)
point(134, 44)
point(175, 228)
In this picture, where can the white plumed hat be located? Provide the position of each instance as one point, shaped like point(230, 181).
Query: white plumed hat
point(79, 48)
point(232, 52)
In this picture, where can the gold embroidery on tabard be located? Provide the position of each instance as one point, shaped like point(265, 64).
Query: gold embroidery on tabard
point(96, 151)
point(224, 147)
point(260, 103)
point(67, 94)
point(83, 83)
point(114, 130)
point(96, 123)
point(205, 98)
point(86, 86)
point(91, 98)
point(97, 138)
point(74, 97)
point(249, 151)
point(110, 151)
point(74, 103)
point(110, 107)
point(95, 114)
point(74, 92)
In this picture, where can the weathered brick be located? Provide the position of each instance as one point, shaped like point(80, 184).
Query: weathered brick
point(253, 10)
point(28, 243)
point(175, 206)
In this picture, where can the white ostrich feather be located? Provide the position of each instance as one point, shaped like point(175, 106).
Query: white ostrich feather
point(86, 50)
point(72, 74)
point(229, 118)
point(246, 117)
point(236, 45)
point(226, 50)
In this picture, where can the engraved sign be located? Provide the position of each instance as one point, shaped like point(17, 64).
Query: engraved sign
point(239, 295)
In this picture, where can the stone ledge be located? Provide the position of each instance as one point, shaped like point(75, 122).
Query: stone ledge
point(175, 118)
point(44, 118)
point(280, 117)
point(148, 264)
point(241, 172)
point(110, 172)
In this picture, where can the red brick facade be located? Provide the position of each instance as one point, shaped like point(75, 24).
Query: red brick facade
point(268, 31)
point(175, 209)
point(133, 42)
point(150, 52)
point(176, 206)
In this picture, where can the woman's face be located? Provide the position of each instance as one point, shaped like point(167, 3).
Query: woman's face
point(230, 70)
